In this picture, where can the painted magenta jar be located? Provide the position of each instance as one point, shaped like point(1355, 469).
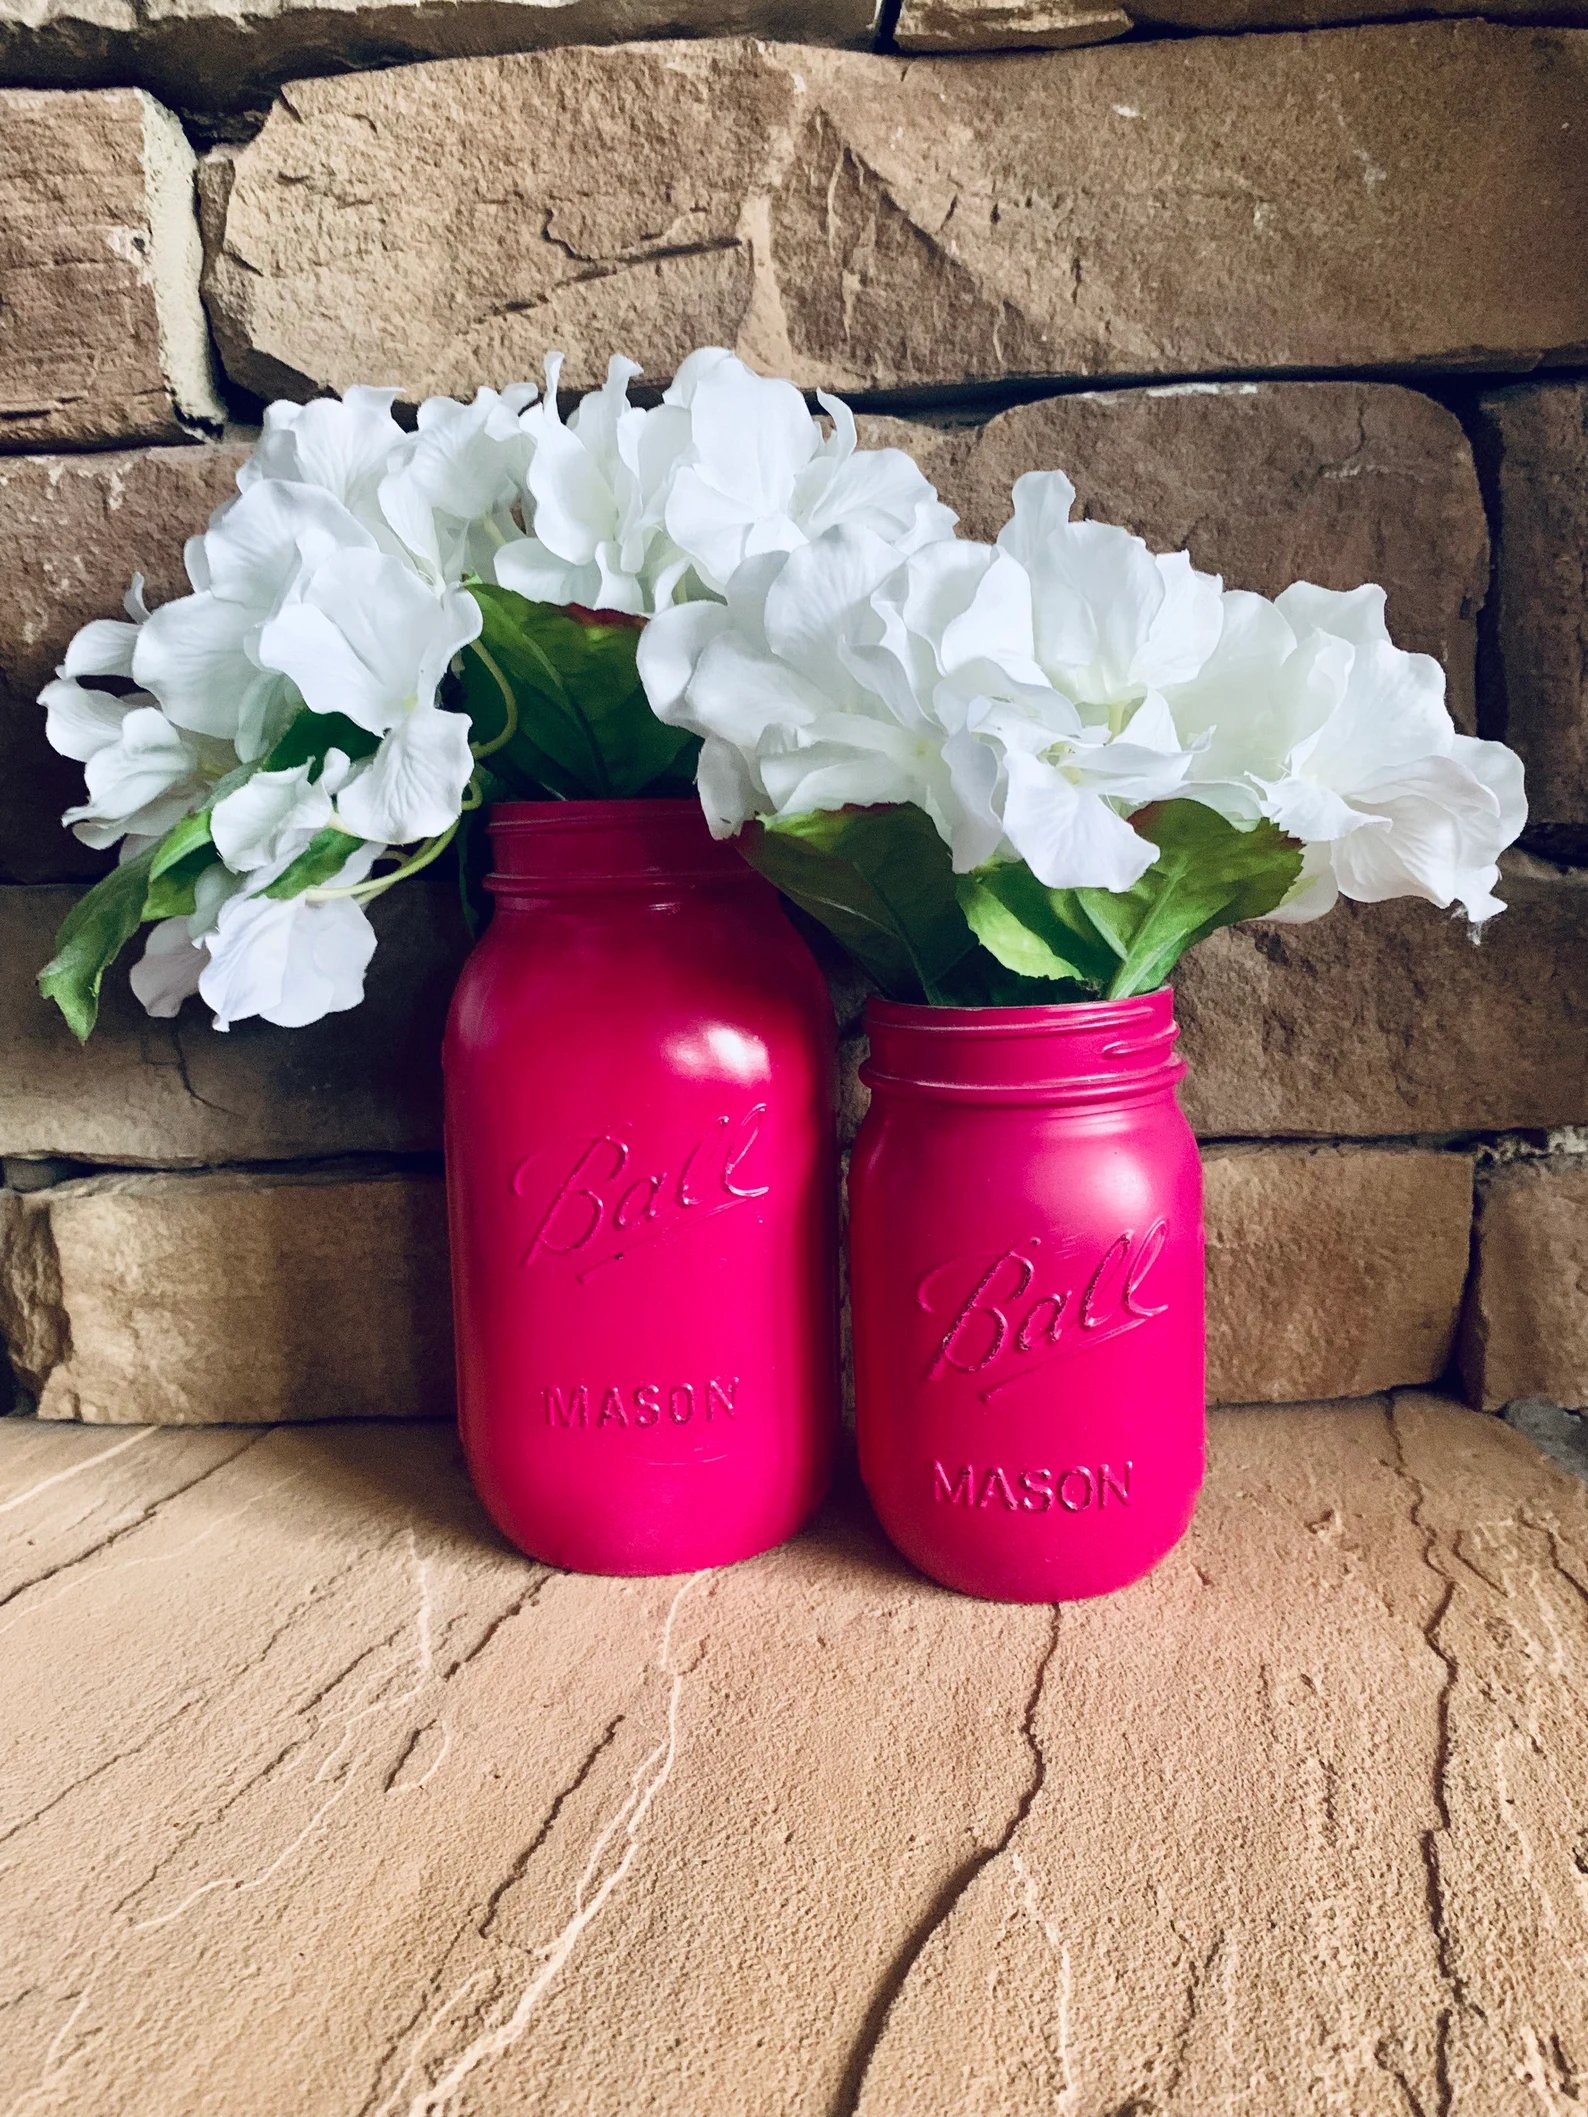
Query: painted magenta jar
point(639, 1139)
point(1026, 1273)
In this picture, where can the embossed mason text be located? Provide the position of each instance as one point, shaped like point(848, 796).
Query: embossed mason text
point(616, 1406)
point(1082, 1486)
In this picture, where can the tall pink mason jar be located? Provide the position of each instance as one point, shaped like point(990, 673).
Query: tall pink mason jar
point(639, 1143)
point(1026, 1272)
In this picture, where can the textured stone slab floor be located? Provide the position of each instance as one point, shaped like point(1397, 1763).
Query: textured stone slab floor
point(315, 1799)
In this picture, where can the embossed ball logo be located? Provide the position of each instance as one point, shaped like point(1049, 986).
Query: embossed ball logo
point(616, 1198)
point(1007, 1317)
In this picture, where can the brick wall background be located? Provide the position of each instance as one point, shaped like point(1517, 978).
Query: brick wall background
point(1310, 298)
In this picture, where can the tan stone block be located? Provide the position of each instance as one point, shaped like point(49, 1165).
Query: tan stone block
point(208, 56)
point(1404, 196)
point(231, 1298)
point(1236, 15)
point(143, 1091)
point(1525, 1332)
point(104, 337)
point(73, 532)
point(343, 1804)
point(1265, 483)
point(1537, 437)
point(1332, 1271)
point(1009, 25)
point(1386, 1019)
point(1005, 25)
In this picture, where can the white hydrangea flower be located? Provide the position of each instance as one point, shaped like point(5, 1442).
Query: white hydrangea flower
point(595, 491)
point(1309, 714)
point(630, 509)
point(371, 640)
point(177, 950)
point(837, 676)
point(770, 680)
point(341, 446)
point(271, 817)
point(1114, 622)
point(451, 487)
point(759, 476)
point(199, 656)
point(143, 775)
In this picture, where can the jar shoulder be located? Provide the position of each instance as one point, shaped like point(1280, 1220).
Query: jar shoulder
point(643, 978)
point(914, 1155)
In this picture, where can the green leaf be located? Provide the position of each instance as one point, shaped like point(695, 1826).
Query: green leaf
point(881, 881)
point(325, 855)
point(1037, 932)
point(173, 893)
point(181, 856)
point(1209, 873)
point(584, 728)
point(181, 842)
point(92, 935)
point(309, 737)
point(1118, 943)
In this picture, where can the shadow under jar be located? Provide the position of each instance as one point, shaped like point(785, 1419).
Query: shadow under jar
point(639, 1144)
point(1026, 1271)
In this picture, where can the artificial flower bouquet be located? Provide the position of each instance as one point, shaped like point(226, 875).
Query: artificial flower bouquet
point(1016, 781)
point(1038, 769)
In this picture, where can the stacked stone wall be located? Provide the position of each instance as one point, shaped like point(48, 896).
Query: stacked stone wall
point(1303, 291)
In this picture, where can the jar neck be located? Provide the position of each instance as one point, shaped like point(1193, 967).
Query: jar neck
point(549, 848)
point(1097, 1053)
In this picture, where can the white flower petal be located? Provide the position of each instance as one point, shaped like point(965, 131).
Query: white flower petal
point(145, 781)
point(1356, 614)
point(257, 546)
point(530, 570)
point(78, 722)
point(669, 651)
point(369, 638)
point(729, 792)
point(270, 817)
point(103, 647)
point(289, 961)
point(168, 971)
point(343, 448)
point(192, 657)
point(413, 786)
point(1069, 839)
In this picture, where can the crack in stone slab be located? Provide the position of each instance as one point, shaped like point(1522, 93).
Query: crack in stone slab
point(564, 1794)
point(515, 1608)
point(1438, 1910)
point(146, 1515)
point(590, 1899)
point(846, 2101)
point(62, 1477)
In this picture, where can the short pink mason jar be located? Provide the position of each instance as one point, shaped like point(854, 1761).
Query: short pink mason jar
point(639, 1177)
point(1026, 1271)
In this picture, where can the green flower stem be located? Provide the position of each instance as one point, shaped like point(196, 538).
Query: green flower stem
point(365, 892)
point(510, 726)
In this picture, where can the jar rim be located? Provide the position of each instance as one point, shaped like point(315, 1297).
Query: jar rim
point(1079, 1053)
point(1055, 1018)
point(586, 812)
point(552, 847)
